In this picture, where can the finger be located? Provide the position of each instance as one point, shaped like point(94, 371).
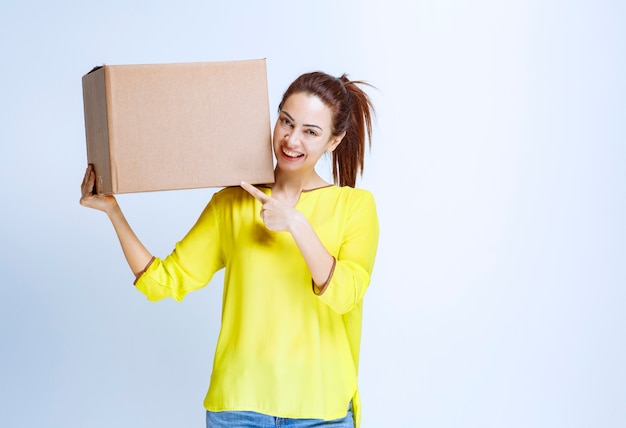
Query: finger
point(89, 173)
point(89, 182)
point(85, 178)
point(260, 196)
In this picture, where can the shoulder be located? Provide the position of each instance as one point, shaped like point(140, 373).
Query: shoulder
point(359, 193)
point(227, 200)
point(346, 199)
point(232, 192)
point(353, 195)
point(232, 195)
point(358, 208)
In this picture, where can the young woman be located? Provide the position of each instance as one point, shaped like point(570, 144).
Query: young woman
point(298, 255)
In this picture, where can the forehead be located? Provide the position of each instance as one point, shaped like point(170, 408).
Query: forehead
point(307, 109)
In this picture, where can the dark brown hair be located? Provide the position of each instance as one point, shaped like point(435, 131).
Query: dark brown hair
point(352, 112)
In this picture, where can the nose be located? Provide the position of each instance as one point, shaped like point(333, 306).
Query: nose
point(291, 138)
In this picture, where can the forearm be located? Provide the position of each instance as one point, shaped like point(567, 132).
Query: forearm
point(136, 254)
point(319, 261)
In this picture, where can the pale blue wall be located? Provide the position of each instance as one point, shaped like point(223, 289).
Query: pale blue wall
point(498, 298)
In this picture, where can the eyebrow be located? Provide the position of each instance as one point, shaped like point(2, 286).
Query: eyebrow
point(306, 124)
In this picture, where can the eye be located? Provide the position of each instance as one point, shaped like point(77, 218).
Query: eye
point(285, 121)
point(311, 132)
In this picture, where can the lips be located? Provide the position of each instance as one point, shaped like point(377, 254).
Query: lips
point(291, 154)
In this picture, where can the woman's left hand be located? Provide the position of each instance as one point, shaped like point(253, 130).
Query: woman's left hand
point(276, 215)
point(280, 217)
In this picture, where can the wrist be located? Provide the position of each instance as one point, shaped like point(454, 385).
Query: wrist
point(113, 210)
point(296, 221)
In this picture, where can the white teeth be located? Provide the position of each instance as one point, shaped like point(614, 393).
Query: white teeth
point(292, 154)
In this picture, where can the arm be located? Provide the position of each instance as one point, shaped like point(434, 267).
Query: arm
point(136, 254)
point(347, 276)
point(279, 217)
point(320, 262)
point(356, 255)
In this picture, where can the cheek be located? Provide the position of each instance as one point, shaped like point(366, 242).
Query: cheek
point(277, 140)
point(278, 134)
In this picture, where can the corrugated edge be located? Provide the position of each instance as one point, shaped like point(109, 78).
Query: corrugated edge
point(113, 167)
point(96, 128)
point(270, 177)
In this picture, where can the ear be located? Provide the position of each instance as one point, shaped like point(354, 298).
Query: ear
point(334, 142)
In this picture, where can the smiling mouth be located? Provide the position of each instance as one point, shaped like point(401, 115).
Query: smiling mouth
point(292, 155)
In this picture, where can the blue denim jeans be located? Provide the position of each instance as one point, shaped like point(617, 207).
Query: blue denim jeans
point(241, 419)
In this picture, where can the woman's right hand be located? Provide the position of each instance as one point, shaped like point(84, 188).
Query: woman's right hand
point(91, 199)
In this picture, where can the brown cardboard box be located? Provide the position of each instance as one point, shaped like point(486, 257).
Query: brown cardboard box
point(178, 126)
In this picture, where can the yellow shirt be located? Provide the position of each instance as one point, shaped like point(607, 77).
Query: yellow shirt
point(282, 350)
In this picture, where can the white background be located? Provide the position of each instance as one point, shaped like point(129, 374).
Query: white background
point(498, 166)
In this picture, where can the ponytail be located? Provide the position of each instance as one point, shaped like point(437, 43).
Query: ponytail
point(352, 113)
point(349, 156)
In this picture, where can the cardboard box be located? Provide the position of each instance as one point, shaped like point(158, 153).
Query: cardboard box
point(178, 126)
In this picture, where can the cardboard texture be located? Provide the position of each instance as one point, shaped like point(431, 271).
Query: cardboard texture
point(178, 126)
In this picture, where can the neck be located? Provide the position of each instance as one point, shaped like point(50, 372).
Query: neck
point(292, 184)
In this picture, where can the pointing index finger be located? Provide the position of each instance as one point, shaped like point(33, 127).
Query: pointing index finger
point(260, 196)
